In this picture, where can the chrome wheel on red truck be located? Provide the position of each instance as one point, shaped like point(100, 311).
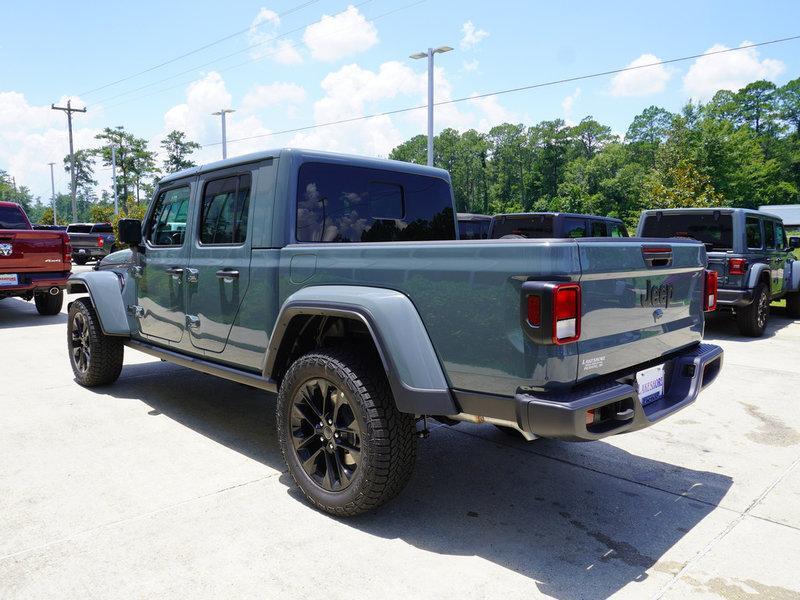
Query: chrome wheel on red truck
point(96, 358)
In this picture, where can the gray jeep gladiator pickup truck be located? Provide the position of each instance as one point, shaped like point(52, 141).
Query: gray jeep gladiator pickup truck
point(339, 283)
point(749, 251)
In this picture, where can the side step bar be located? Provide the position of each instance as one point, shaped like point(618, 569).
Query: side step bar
point(204, 366)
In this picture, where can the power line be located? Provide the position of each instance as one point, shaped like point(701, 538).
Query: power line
point(216, 60)
point(195, 51)
point(510, 90)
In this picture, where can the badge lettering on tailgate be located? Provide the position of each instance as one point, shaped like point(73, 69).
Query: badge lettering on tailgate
point(657, 295)
point(6, 249)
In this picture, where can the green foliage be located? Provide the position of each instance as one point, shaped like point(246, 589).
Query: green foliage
point(178, 148)
point(740, 149)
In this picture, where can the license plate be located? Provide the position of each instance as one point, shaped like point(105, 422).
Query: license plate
point(650, 384)
point(8, 279)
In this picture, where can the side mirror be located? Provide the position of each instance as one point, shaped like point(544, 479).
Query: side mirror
point(130, 232)
point(794, 242)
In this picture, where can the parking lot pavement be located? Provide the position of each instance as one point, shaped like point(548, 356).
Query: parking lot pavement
point(170, 483)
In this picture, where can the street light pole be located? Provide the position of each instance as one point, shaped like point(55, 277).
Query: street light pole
point(53, 187)
point(221, 113)
point(429, 55)
point(114, 177)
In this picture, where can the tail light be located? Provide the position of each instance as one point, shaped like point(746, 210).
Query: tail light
point(100, 242)
point(737, 266)
point(66, 249)
point(710, 291)
point(566, 313)
point(535, 310)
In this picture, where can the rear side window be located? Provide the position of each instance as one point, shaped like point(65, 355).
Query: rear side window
point(12, 217)
point(225, 209)
point(752, 230)
point(167, 225)
point(533, 226)
point(574, 228)
point(339, 203)
point(598, 229)
point(780, 236)
point(715, 230)
point(769, 233)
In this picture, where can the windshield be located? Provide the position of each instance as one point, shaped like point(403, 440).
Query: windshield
point(12, 217)
point(715, 230)
point(536, 226)
point(79, 229)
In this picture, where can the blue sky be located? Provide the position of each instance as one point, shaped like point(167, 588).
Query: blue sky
point(354, 61)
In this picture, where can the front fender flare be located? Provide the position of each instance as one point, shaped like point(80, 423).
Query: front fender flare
point(415, 376)
point(104, 290)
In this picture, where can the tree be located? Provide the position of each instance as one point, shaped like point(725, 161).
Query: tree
point(648, 130)
point(178, 148)
point(591, 136)
point(789, 104)
point(682, 186)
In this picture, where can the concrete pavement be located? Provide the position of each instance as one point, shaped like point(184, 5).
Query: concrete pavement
point(170, 484)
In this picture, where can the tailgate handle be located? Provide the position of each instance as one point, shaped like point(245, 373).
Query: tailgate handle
point(624, 415)
point(657, 256)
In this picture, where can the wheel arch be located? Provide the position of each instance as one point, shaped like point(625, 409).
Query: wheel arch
point(104, 291)
point(389, 322)
point(760, 272)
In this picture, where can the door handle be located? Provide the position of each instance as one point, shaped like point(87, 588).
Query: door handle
point(192, 322)
point(227, 275)
point(176, 272)
point(192, 275)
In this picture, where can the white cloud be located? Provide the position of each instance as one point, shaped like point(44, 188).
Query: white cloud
point(468, 66)
point(344, 34)
point(728, 71)
point(272, 95)
point(493, 113)
point(263, 43)
point(643, 81)
point(568, 103)
point(471, 35)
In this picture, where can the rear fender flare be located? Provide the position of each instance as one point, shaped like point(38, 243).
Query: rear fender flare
point(106, 295)
point(756, 273)
point(415, 376)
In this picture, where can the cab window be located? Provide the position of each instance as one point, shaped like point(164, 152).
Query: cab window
point(618, 230)
point(224, 213)
point(769, 234)
point(598, 229)
point(167, 225)
point(574, 228)
point(752, 230)
point(780, 236)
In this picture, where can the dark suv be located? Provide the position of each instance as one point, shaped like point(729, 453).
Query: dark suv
point(555, 225)
point(748, 249)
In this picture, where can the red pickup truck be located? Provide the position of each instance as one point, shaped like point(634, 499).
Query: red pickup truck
point(33, 264)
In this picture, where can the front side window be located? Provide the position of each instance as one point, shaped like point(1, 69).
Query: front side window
point(337, 203)
point(618, 230)
point(167, 226)
point(574, 228)
point(769, 234)
point(224, 213)
point(752, 229)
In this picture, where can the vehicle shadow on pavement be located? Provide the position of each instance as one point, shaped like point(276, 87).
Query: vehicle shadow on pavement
point(575, 530)
point(723, 326)
point(15, 312)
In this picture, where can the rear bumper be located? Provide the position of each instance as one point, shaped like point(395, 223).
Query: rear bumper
point(563, 415)
point(32, 282)
point(90, 252)
point(728, 297)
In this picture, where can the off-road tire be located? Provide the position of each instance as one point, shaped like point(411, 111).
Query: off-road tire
point(752, 319)
point(388, 437)
point(793, 304)
point(106, 353)
point(49, 305)
point(80, 260)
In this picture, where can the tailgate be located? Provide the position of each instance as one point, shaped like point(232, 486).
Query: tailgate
point(642, 299)
point(83, 240)
point(30, 251)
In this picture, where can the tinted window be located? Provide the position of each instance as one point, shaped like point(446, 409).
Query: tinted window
point(225, 208)
point(167, 226)
point(103, 228)
point(598, 229)
point(714, 230)
point(618, 230)
point(473, 230)
point(574, 228)
point(533, 226)
point(752, 230)
point(12, 217)
point(780, 236)
point(78, 228)
point(769, 234)
point(337, 203)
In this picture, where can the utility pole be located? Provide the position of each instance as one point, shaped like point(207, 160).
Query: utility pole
point(221, 113)
point(429, 55)
point(114, 177)
point(69, 110)
point(53, 187)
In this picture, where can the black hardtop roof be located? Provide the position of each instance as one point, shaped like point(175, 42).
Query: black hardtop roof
point(711, 209)
point(554, 214)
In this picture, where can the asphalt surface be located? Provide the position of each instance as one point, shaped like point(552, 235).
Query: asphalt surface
point(170, 484)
